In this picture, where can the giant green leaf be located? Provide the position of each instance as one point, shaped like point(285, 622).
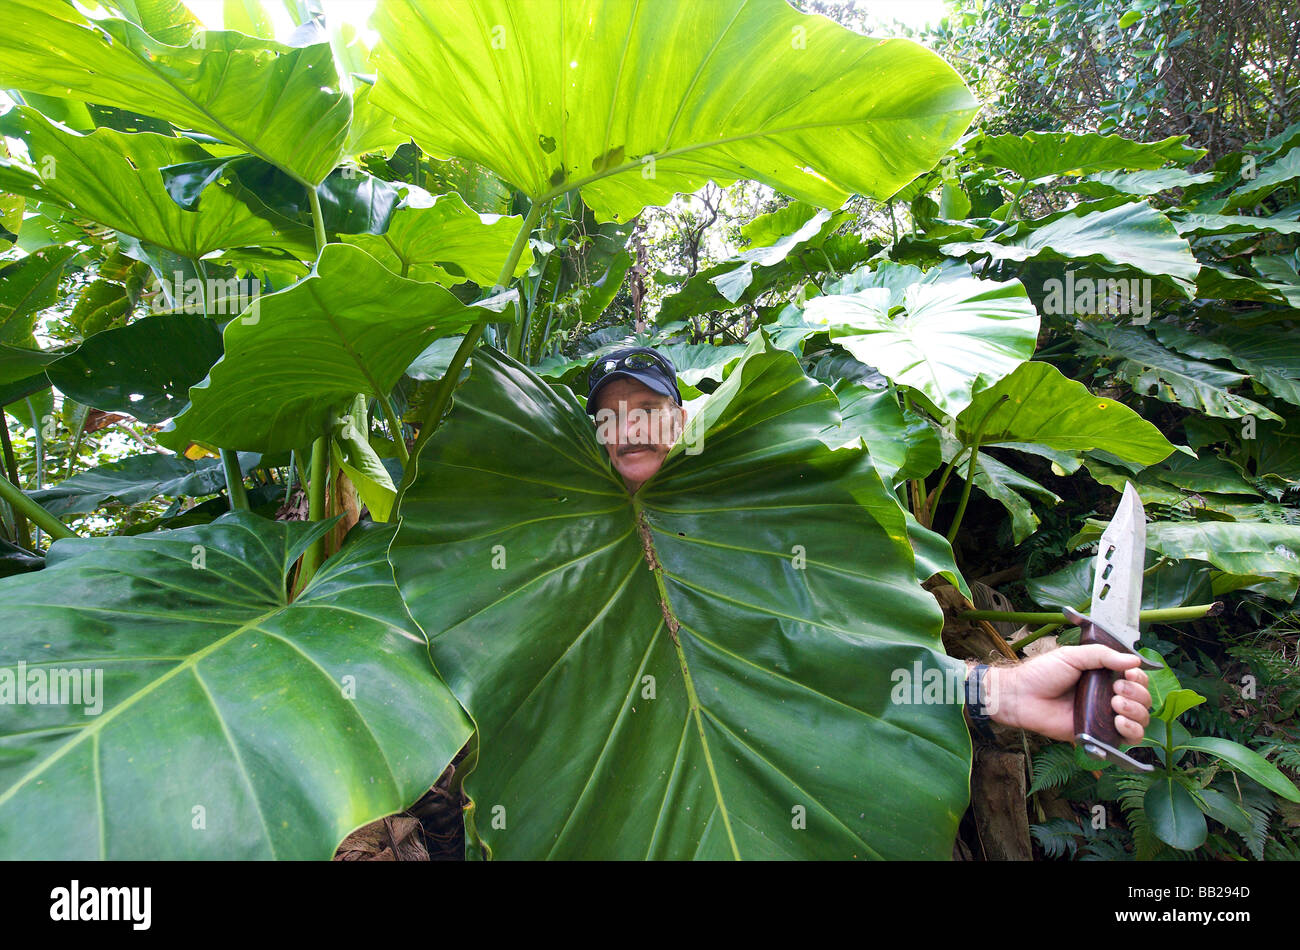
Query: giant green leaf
point(1141, 183)
point(1012, 490)
point(951, 338)
point(372, 128)
point(351, 201)
point(632, 103)
point(702, 361)
point(1271, 357)
point(1131, 235)
point(1047, 154)
point(1209, 473)
point(732, 283)
point(100, 304)
point(894, 277)
point(283, 104)
point(145, 368)
point(768, 229)
point(1273, 455)
point(1168, 585)
point(901, 442)
point(442, 240)
point(1153, 370)
point(28, 286)
point(234, 724)
point(708, 706)
point(137, 478)
point(166, 20)
point(112, 178)
point(1270, 178)
point(1235, 547)
point(1200, 224)
point(1038, 404)
point(791, 331)
point(1280, 268)
point(351, 326)
point(1223, 284)
point(20, 362)
point(247, 16)
point(735, 282)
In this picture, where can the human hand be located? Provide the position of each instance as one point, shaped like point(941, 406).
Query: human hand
point(1038, 695)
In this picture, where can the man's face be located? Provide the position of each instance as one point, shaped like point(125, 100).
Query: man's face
point(637, 426)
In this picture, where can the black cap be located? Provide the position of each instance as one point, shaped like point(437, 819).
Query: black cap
point(653, 370)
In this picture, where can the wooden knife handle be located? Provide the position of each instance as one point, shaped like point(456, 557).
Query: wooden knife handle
point(1094, 717)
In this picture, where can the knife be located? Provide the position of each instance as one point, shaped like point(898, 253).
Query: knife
point(1112, 621)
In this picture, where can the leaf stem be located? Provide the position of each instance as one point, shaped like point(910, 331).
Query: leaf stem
point(1048, 628)
point(237, 498)
point(965, 496)
point(1038, 634)
point(1162, 615)
point(288, 481)
point(916, 489)
point(394, 427)
point(433, 413)
point(932, 501)
point(11, 466)
point(1014, 207)
point(39, 438)
point(314, 555)
point(234, 480)
point(37, 515)
point(82, 412)
point(317, 220)
point(970, 470)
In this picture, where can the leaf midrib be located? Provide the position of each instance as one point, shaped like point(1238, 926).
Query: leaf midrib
point(692, 698)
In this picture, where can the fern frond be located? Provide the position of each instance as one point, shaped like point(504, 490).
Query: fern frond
point(1132, 796)
point(1260, 805)
point(1057, 836)
point(1281, 753)
point(1053, 766)
point(1284, 849)
point(1106, 844)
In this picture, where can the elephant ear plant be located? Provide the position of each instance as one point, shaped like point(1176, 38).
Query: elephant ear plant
point(709, 659)
point(702, 670)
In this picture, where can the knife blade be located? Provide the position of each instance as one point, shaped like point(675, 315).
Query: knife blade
point(1113, 622)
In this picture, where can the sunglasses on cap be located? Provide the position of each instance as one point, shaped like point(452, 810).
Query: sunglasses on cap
point(641, 359)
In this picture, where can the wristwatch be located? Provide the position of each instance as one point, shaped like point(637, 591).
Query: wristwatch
point(976, 694)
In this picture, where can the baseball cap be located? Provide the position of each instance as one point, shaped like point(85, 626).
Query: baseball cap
point(648, 367)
